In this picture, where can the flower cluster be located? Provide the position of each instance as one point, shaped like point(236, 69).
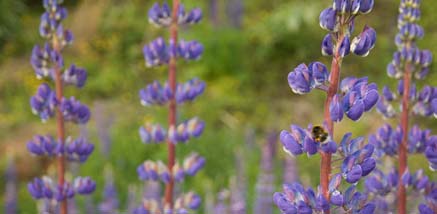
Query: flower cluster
point(297, 199)
point(358, 161)
point(44, 102)
point(75, 76)
point(305, 78)
point(186, 130)
point(160, 16)
point(342, 15)
point(184, 203)
point(354, 97)
point(47, 62)
point(78, 150)
point(381, 184)
point(424, 102)
point(409, 63)
point(74, 111)
point(387, 139)
point(301, 140)
point(180, 134)
point(110, 201)
point(156, 94)
point(11, 193)
point(157, 53)
point(358, 97)
point(45, 188)
point(155, 171)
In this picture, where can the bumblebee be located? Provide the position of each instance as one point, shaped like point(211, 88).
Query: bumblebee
point(319, 134)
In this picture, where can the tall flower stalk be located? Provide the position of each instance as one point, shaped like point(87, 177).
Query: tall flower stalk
point(352, 97)
point(48, 64)
point(266, 178)
point(159, 53)
point(409, 63)
point(11, 194)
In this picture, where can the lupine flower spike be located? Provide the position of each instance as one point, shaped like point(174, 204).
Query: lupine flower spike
point(409, 63)
point(158, 53)
point(49, 101)
point(356, 95)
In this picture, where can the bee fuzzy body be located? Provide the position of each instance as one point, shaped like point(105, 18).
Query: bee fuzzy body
point(319, 134)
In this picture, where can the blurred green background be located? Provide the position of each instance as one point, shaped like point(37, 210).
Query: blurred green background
point(248, 55)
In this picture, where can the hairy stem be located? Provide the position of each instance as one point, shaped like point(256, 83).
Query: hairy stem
point(334, 78)
point(60, 127)
point(172, 106)
point(403, 158)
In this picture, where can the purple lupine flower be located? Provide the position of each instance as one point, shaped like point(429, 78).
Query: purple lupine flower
point(103, 124)
point(110, 201)
point(154, 94)
point(178, 173)
point(48, 62)
point(156, 53)
point(84, 185)
point(237, 197)
point(336, 109)
point(192, 17)
point(193, 163)
point(327, 45)
point(328, 19)
point(152, 133)
point(191, 50)
point(186, 130)
point(299, 140)
point(358, 161)
point(366, 6)
point(221, 204)
point(290, 170)
point(160, 16)
point(355, 97)
point(359, 97)
point(148, 170)
point(344, 48)
point(148, 206)
point(190, 90)
point(41, 61)
point(300, 80)
point(10, 197)
point(296, 198)
point(79, 149)
point(423, 209)
point(264, 186)
point(189, 200)
point(41, 188)
point(44, 102)
point(75, 76)
point(74, 111)
point(164, 172)
point(43, 145)
point(363, 43)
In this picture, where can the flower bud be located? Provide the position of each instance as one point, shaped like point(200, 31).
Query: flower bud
point(84, 185)
point(344, 48)
point(328, 19)
point(300, 80)
point(327, 45)
point(336, 109)
point(366, 6)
